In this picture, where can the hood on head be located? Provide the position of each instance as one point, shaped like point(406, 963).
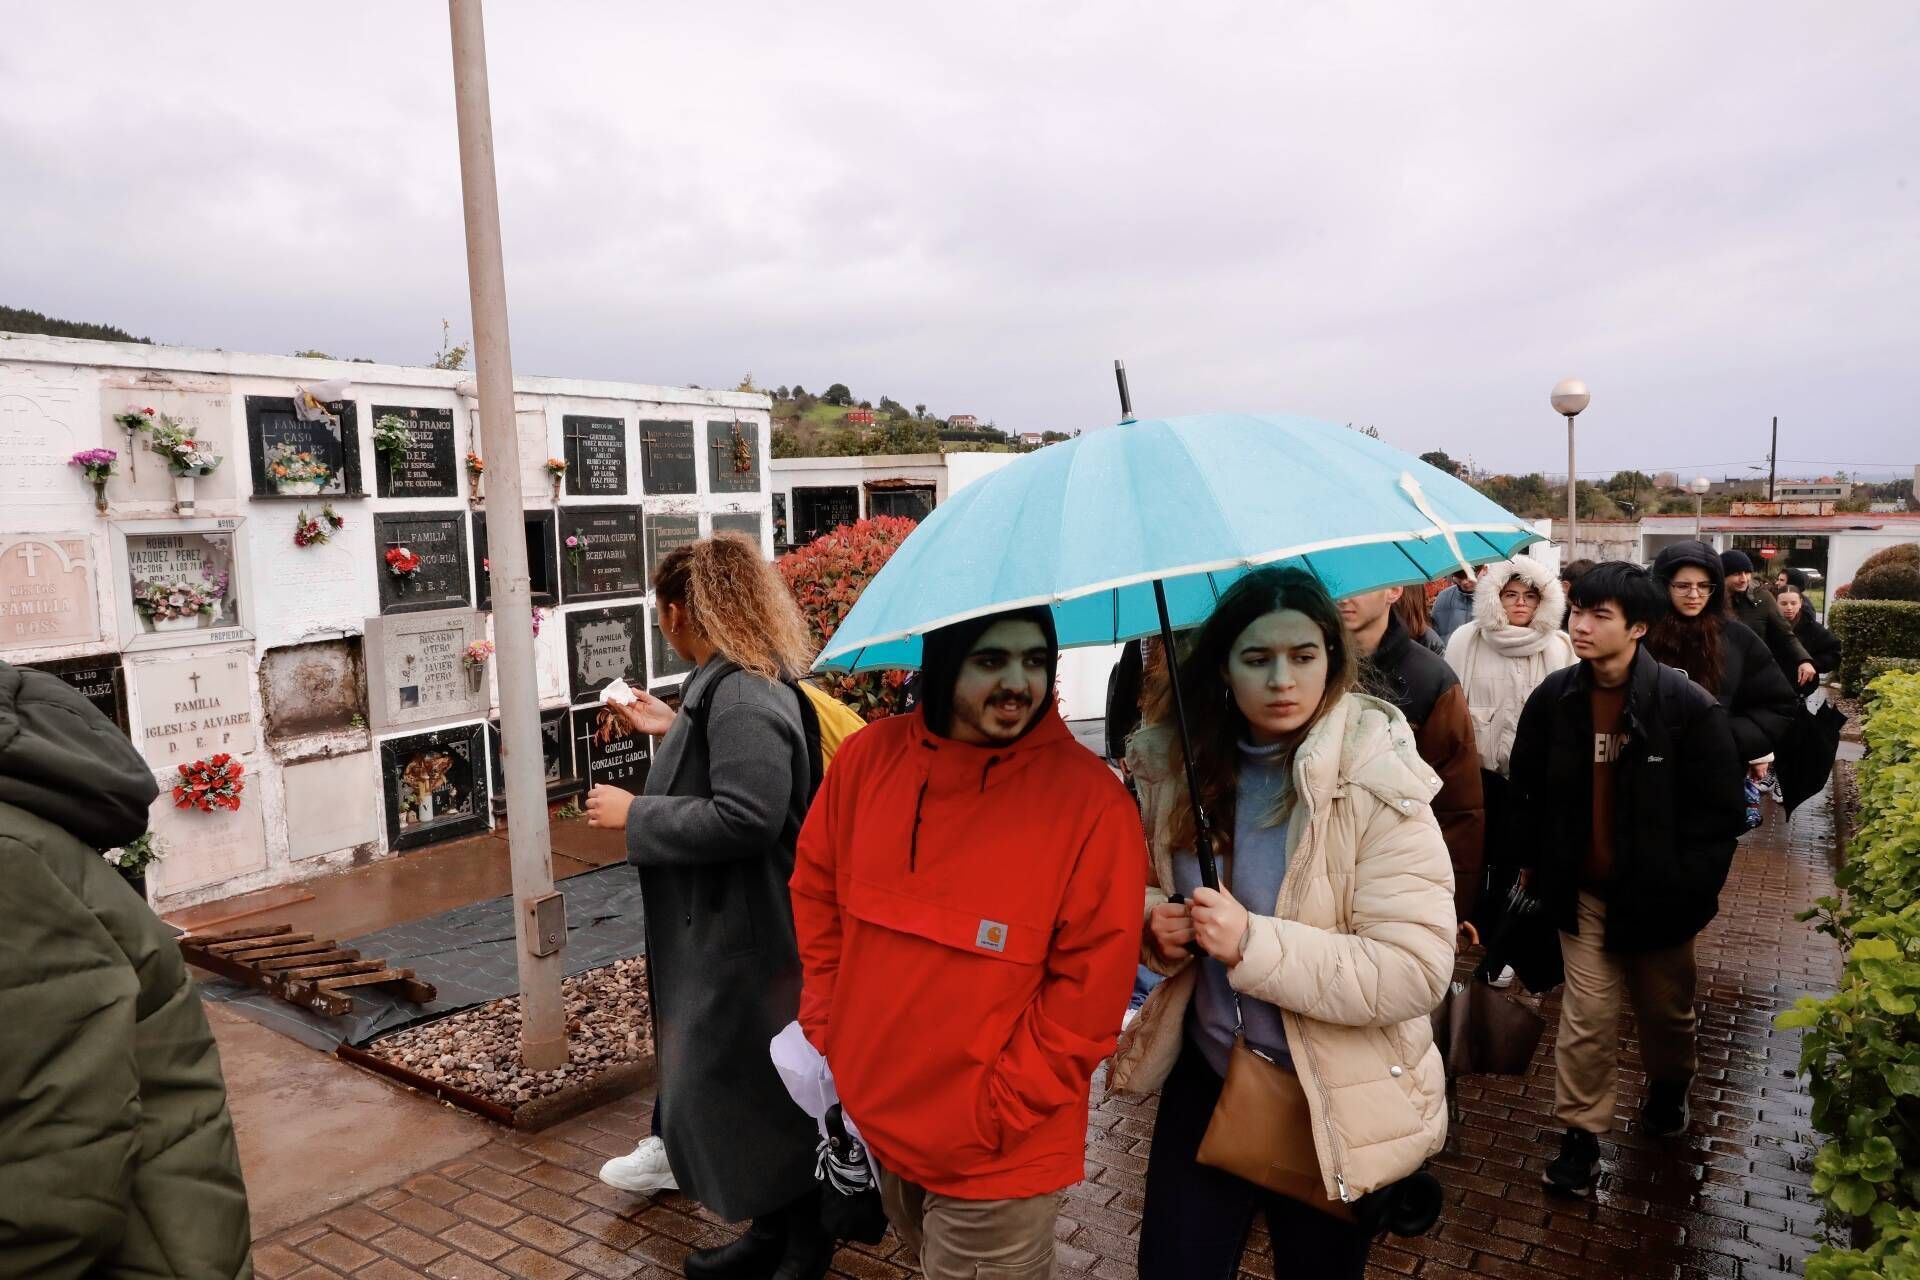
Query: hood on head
point(1699, 554)
point(1487, 610)
point(61, 760)
point(942, 652)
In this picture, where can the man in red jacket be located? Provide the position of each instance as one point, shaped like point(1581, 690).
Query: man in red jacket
point(967, 896)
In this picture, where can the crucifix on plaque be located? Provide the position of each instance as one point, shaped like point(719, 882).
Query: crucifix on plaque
point(194, 679)
point(31, 554)
point(722, 457)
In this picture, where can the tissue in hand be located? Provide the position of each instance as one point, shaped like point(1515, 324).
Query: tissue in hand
point(619, 694)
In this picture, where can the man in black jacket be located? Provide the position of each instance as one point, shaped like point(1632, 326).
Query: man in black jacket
point(1754, 605)
point(1628, 787)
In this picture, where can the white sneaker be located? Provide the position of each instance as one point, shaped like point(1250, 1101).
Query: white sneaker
point(1503, 979)
point(642, 1173)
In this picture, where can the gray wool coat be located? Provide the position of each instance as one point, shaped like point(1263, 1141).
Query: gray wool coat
point(713, 839)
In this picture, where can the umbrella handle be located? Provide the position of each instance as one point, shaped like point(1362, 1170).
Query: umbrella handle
point(1202, 829)
point(1193, 948)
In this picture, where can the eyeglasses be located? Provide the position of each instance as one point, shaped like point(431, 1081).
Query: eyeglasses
point(1690, 588)
point(1515, 597)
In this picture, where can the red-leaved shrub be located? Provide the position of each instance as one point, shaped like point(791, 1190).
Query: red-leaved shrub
point(826, 576)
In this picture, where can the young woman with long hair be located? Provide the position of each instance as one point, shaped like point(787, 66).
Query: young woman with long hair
point(1330, 969)
point(1700, 635)
point(713, 837)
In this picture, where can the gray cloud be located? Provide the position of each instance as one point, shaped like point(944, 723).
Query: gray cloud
point(1390, 214)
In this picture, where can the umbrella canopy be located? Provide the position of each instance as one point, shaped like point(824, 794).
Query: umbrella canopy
point(1089, 525)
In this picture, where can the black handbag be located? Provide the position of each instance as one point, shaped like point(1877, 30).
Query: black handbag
point(1804, 760)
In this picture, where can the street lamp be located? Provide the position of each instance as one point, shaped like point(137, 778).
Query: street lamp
point(1569, 398)
point(1699, 486)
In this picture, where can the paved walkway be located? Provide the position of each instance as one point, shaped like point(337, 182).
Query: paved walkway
point(1731, 1200)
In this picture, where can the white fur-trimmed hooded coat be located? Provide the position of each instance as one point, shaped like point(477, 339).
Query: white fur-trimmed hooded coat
point(1499, 665)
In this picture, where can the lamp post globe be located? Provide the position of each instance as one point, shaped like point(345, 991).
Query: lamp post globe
point(1569, 398)
point(1699, 486)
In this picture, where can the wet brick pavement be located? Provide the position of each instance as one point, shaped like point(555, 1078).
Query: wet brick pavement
point(1729, 1200)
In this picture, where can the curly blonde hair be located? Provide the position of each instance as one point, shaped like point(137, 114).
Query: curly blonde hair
point(738, 604)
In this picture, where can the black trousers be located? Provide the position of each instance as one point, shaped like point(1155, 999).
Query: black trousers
point(1196, 1219)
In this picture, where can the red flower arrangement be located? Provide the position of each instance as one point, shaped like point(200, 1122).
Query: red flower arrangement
point(826, 576)
point(207, 785)
point(402, 563)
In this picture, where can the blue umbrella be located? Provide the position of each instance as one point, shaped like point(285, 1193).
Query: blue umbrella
point(1140, 528)
point(1105, 526)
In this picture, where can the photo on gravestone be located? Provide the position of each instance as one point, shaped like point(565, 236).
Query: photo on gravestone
point(421, 557)
point(182, 586)
point(609, 752)
point(542, 548)
point(97, 677)
point(604, 645)
point(664, 533)
point(747, 522)
point(596, 458)
point(420, 458)
point(601, 555)
point(46, 589)
point(666, 456)
point(733, 457)
point(434, 785)
point(665, 661)
point(556, 751)
point(296, 457)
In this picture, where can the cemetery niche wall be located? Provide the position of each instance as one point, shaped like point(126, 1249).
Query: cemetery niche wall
point(328, 674)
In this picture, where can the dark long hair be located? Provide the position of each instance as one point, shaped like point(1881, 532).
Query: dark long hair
point(1213, 720)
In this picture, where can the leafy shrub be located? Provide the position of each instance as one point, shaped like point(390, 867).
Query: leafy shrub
point(1862, 1046)
point(1904, 553)
point(826, 576)
point(1873, 629)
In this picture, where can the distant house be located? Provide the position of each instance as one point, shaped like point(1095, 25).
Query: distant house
point(963, 422)
point(1032, 438)
point(1823, 488)
point(859, 417)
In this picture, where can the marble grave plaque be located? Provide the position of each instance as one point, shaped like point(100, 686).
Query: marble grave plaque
point(46, 590)
point(434, 785)
point(429, 465)
point(183, 586)
point(97, 677)
point(609, 559)
point(747, 522)
point(192, 708)
point(207, 848)
point(417, 671)
point(664, 533)
point(666, 662)
point(609, 753)
point(596, 455)
point(39, 430)
point(666, 456)
point(293, 457)
point(602, 645)
point(733, 457)
point(439, 538)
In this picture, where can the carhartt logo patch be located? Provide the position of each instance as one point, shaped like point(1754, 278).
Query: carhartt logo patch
point(992, 936)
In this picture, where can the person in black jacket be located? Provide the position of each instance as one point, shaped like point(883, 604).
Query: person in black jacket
point(1754, 605)
point(1821, 644)
point(1699, 635)
point(1626, 785)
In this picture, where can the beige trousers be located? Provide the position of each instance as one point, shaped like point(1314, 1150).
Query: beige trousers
point(1586, 1055)
point(973, 1239)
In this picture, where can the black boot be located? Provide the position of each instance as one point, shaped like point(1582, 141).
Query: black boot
point(810, 1246)
point(751, 1257)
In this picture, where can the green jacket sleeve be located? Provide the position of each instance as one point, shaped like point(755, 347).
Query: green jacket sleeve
point(69, 1083)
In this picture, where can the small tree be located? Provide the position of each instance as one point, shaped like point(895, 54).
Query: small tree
point(838, 394)
point(746, 384)
point(779, 393)
point(826, 576)
point(1440, 461)
point(450, 356)
point(1889, 574)
point(798, 391)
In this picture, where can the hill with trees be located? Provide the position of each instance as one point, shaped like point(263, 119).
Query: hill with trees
point(21, 320)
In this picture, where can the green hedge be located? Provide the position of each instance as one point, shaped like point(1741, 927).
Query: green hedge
point(1873, 629)
point(1862, 1047)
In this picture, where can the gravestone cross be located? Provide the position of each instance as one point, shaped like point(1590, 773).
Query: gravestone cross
point(31, 553)
point(193, 678)
point(722, 457)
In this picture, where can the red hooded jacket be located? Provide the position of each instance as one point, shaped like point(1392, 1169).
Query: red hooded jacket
point(969, 924)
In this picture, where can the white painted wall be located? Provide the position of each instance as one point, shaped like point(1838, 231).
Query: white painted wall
point(59, 395)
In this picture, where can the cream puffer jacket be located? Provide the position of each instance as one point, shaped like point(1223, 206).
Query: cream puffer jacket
point(1500, 664)
point(1356, 953)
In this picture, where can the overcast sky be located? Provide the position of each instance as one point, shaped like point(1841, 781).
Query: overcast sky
point(1416, 216)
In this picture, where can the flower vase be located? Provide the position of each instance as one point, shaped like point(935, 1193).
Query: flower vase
point(299, 488)
point(183, 494)
point(476, 677)
point(474, 495)
point(100, 496)
point(185, 622)
point(138, 879)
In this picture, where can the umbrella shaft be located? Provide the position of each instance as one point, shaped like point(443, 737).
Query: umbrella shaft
point(1202, 831)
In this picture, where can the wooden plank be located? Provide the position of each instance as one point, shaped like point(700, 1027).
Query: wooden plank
point(235, 935)
point(325, 1003)
point(347, 964)
point(224, 967)
point(363, 979)
point(272, 903)
point(304, 959)
point(290, 949)
point(254, 944)
point(417, 991)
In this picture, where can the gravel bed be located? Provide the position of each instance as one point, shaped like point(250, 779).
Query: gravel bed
point(478, 1049)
